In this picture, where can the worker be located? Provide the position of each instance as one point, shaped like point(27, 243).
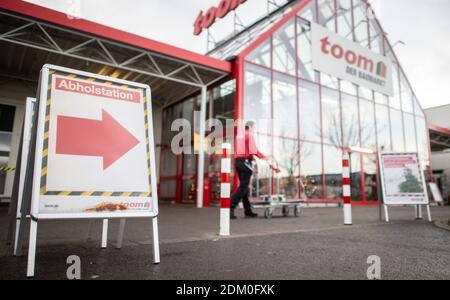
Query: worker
point(244, 154)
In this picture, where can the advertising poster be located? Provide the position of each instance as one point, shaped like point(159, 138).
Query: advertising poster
point(402, 179)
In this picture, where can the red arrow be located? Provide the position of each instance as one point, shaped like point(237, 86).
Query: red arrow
point(85, 137)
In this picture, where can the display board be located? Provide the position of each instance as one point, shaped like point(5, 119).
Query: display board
point(402, 179)
point(92, 153)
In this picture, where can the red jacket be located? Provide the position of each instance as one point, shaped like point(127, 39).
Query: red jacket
point(245, 146)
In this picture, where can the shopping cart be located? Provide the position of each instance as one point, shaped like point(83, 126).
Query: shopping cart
point(271, 203)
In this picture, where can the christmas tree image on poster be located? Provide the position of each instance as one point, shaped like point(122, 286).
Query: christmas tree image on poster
point(411, 185)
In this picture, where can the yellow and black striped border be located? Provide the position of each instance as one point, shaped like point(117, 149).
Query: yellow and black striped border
point(44, 170)
point(7, 169)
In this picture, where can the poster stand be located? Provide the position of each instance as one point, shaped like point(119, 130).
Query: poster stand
point(416, 200)
point(35, 195)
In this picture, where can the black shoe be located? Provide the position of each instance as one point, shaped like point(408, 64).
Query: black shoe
point(232, 216)
point(251, 215)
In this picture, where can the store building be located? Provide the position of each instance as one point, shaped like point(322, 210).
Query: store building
point(440, 147)
point(267, 71)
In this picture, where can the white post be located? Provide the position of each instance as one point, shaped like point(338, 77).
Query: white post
point(347, 190)
point(386, 213)
point(105, 234)
point(32, 249)
point(16, 236)
point(201, 155)
point(225, 191)
point(429, 213)
point(156, 256)
point(120, 233)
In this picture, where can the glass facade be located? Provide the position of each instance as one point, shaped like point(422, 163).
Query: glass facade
point(306, 118)
point(315, 116)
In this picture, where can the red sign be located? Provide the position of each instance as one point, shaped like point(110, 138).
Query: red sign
point(205, 21)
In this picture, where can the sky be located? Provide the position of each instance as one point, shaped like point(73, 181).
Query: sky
point(423, 27)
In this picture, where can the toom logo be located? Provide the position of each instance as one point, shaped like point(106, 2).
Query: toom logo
point(205, 21)
point(347, 60)
point(352, 58)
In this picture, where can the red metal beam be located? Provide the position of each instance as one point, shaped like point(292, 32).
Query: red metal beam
point(438, 129)
point(61, 19)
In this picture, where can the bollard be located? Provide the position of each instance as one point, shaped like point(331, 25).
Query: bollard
point(347, 189)
point(225, 191)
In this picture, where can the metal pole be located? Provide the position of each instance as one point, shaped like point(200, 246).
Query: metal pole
point(225, 190)
point(201, 155)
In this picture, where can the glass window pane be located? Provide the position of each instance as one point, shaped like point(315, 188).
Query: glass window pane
point(310, 126)
point(329, 81)
point(418, 108)
point(261, 55)
point(395, 100)
point(422, 140)
point(169, 163)
point(370, 177)
point(367, 111)
point(361, 23)
point(355, 166)
point(257, 97)
point(406, 94)
point(348, 87)
point(327, 15)
point(305, 68)
point(376, 37)
point(331, 114)
point(264, 173)
point(168, 189)
point(284, 49)
point(397, 131)
point(345, 19)
point(311, 170)
point(332, 158)
point(365, 93)
point(286, 153)
point(381, 99)
point(383, 128)
point(350, 121)
point(309, 12)
point(410, 133)
point(285, 106)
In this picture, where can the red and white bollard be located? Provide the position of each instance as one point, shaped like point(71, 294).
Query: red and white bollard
point(225, 191)
point(347, 189)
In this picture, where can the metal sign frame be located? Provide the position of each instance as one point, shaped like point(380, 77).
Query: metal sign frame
point(417, 206)
point(35, 164)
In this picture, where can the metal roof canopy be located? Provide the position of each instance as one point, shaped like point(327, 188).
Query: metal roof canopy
point(31, 36)
point(439, 138)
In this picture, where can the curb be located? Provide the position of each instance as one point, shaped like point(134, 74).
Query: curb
point(442, 224)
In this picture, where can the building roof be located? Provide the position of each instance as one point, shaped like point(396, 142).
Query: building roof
point(58, 18)
point(31, 36)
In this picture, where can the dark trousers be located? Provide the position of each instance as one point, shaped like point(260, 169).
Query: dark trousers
point(243, 192)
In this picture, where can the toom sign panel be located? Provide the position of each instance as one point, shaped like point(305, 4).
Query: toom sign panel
point(402, 179)
point(94, 149)
point(340, 57)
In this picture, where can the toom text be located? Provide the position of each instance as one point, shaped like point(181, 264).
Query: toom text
point(205, 21)
point(352, 58)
